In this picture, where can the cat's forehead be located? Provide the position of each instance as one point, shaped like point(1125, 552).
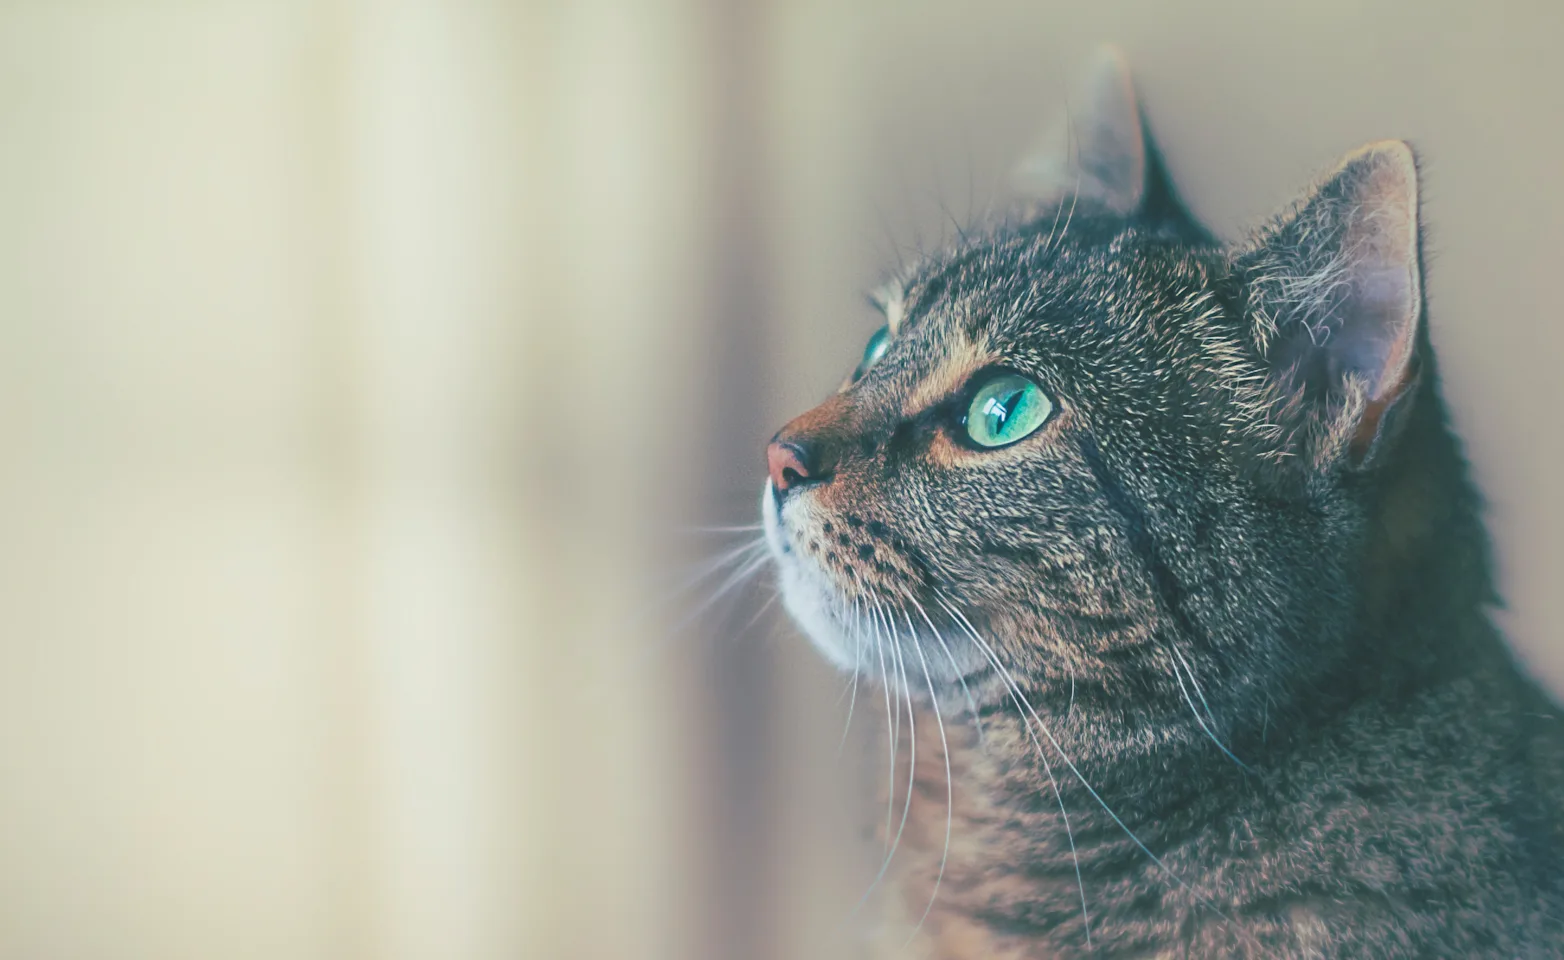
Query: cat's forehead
point(1025, 281)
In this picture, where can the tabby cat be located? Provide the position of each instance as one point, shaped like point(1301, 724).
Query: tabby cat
point(1170, 552)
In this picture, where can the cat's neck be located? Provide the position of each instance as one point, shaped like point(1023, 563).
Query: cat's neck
point(1134, 783)
point(1426, 580)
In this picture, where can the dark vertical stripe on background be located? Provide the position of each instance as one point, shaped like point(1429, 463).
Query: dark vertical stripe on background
point(736, 719)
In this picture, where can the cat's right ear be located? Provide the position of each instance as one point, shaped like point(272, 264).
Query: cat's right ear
point(1097, 153)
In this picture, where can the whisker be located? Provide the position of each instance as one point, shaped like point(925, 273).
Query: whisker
point(1071, 215)
point(1075, 145)
point(1070, 145)
point(1179, 676)
point(971, 189)
point(847, 684)
point(912, 764)
point(770, 602)
point(950, 790)
point(735, 565)
point(890, 740)
point(892, 649)
point(961, 234)
point(718, 563)
point(739, 528)
point(912, 739)
point(857, 669)
point(1019, 699)
point(960, 678)
point(890, 237)
point(748, 569)
point(1106, 809)
point(1189, 668)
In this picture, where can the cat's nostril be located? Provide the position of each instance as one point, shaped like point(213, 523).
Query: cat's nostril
point(794, 463)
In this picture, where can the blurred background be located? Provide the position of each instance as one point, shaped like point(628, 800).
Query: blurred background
point(366, 367)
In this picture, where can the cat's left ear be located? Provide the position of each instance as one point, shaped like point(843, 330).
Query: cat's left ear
point(1333, 290)
point(1096, 154)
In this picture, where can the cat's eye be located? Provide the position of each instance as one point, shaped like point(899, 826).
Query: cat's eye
point(874, 350)
point(1005, 408)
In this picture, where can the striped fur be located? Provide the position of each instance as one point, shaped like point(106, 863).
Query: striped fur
point(1223, 620)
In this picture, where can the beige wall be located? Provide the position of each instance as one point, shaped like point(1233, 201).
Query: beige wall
point(359, 359)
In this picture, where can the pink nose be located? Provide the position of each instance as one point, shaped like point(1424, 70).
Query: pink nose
point(807, 450)
point(796, 463)
point(789, 465)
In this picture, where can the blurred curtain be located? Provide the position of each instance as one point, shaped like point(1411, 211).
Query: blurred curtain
point(337, 337)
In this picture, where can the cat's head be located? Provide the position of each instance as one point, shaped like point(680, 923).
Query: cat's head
point(1095, 447)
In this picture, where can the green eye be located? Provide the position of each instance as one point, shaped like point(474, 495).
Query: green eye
point(874, 350)
point(1005, 409)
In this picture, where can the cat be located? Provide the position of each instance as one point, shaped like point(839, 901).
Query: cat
point(1170, 552)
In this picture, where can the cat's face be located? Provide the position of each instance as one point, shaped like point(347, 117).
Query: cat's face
point(974, 477)
point(1096, 449)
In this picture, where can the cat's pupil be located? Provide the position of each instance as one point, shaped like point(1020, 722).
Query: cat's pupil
point(999, 410)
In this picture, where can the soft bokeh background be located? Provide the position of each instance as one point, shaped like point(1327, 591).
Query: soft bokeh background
point(361, 362)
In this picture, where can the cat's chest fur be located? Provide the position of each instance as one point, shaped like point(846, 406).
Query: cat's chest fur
point(1337, 852)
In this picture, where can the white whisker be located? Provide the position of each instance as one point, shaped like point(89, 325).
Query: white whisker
point(890, 739)
point(1019, 699)
point(912, 761)
point(857, 616)
point(770, 602)
point(744, 572)
point(1102, 803)
point(1071, 145)
point(960, 677)
point(736, 564)
point(721, 561)
point(739, 528)
point(1179, 676)
point(950, 790)
point(1076, 193)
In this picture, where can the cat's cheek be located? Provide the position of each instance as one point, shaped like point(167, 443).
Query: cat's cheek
point(946, 453)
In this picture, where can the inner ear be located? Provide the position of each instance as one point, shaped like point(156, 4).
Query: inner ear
point(1335, 292)
point(1382, 270)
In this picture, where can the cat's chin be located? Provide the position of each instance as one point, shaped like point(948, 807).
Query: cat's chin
point(849, 639)
point(807, 595)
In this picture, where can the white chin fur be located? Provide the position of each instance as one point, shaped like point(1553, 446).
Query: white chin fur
point(806, 593)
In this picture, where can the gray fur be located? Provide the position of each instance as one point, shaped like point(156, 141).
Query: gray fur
point(1192, 565)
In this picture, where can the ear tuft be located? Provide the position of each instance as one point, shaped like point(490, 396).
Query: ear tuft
point(1097, 151)
point(1334, 294)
